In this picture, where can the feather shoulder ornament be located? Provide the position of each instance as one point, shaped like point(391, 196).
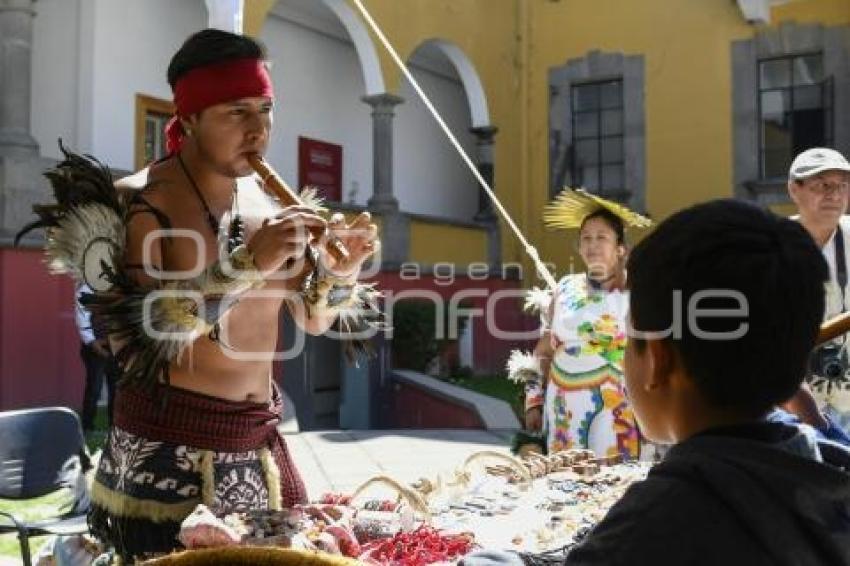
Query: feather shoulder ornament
point(537, 301)
point(572, 206)
point(84, 227)
point(523, 367)
point(155, 326)
point(85, 238)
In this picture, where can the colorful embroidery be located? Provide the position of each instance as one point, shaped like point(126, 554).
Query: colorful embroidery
point(563, 439)
point(589, 416)
point(586, 406)
point(575, 295)
point(602, 338)
point(626, 431)
point(573, 381)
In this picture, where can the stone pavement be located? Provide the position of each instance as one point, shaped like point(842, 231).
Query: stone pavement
point(341, 460)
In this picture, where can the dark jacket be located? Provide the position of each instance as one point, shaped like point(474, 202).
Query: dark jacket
point(766, 493)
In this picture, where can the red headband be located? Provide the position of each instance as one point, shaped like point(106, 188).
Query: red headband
point(213, 84)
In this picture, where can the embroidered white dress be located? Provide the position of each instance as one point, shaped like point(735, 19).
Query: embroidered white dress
point(585, 404)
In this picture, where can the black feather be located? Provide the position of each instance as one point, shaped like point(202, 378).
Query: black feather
point(370, 319)
point(143, 359)
point(82, 180)
point(76, 181)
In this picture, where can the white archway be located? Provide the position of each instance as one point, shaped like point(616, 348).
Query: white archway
point(366, 53)
point(430, 178)
point(345, 23)
point(324, 63)
point(478, 109)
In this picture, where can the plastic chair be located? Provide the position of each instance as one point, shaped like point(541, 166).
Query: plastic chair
point(34, 446)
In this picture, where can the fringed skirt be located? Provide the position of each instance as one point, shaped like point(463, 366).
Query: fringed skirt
point(161, 461)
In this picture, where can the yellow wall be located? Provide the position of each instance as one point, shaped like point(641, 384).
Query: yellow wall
point(432, 243)
point(835, 12)
point(686, 45)
point(486, 31)
point(435, 242)
point(490, 34)
point(254, 15)
point(785, 210)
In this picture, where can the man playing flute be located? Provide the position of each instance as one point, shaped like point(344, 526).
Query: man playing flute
point(201, 425)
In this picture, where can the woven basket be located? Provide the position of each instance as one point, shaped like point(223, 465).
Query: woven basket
point(413, 498)
point(251, 556)
point(515, 464)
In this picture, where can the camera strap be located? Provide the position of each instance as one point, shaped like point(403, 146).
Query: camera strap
point(840, 264)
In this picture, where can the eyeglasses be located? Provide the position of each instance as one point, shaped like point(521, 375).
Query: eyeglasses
point(821, 187)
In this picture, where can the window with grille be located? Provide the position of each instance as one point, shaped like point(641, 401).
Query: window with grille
point(597, 162)
point(152, 115)
point(795, 110)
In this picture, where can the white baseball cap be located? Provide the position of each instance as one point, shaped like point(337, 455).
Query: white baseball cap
point(817, 160)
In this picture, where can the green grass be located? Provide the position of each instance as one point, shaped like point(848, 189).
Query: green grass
point(30, 509)
point(96, 437)
point(495, 386)
point(47, 505)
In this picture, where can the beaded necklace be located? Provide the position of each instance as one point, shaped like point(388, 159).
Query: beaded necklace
point(235, 233)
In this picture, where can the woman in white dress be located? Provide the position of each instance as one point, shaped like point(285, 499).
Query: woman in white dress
point(581, 403)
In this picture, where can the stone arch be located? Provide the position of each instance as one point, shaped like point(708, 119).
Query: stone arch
point(477, 99)
point(366, 52)
point(367, 55)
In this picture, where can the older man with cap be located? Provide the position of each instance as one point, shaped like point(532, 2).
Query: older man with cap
point(819, 185)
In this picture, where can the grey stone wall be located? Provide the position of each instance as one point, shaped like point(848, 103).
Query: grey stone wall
point(785, 39)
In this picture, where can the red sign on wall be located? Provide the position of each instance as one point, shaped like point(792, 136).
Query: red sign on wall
point(320, 166)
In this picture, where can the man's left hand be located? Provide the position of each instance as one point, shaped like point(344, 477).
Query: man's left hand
point(360, 238)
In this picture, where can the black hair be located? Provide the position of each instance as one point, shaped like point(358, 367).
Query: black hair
point(210, 46)
point(614, 221)
point(776, 267)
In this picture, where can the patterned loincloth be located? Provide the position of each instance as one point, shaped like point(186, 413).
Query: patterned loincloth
point(158, 464)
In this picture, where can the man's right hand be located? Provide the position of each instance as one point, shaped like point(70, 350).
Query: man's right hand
point(534, 418)
point(285, 237)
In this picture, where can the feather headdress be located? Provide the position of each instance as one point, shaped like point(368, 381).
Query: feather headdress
point(571, 207)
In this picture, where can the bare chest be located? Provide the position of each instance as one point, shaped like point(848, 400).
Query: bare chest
point(194, 241)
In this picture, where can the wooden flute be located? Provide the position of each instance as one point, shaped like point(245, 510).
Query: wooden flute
point(288, 197)
point(833, 328)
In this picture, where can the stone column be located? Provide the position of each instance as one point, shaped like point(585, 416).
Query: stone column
point(21, 167)
point(486, 214)
point(383, 106)
point(16, 17)
point(395, 234)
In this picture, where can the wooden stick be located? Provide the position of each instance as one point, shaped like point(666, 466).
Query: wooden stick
point(833, 328)
point(288, 197)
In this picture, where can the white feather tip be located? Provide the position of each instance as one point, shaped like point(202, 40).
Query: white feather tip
point(523, 366)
